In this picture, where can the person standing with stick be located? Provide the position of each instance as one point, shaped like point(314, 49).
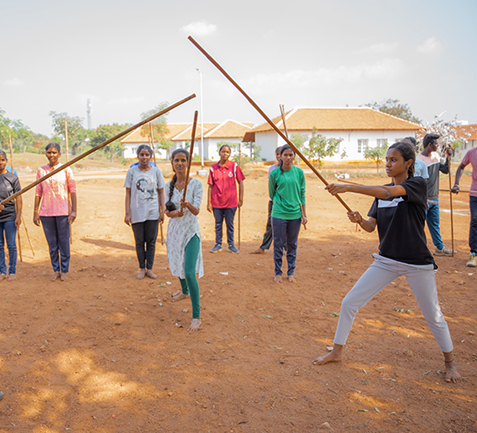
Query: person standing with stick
point(470, 158)
point(222, 197)
point(55, 213)
point(286, 187)
point(10, 219)
point(144, 208)
point(184, 251)
point(398, 212)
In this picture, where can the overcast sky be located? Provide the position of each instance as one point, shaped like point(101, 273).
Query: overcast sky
point(129, 56)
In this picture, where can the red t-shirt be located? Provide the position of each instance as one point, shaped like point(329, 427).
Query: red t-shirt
point(222, 178)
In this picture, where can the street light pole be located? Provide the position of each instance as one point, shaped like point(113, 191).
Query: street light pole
point(201, 120)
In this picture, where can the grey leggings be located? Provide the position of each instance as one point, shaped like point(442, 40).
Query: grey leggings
point(383, 271)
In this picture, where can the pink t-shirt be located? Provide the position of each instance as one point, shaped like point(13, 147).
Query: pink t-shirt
point(54, 191)
point(222, 178)
point(471, 158)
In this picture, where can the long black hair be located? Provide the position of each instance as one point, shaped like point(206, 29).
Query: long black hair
point(282, 149)
point(407, 151)
point(170, 206)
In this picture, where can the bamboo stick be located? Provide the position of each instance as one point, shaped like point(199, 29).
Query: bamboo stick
point(16, 210)
point(152, 143)
point(191, 151)
point(451, 212)
point(239, 212)
point(269, 121)
point(94, 149)
point(66, 139)
point(459, 190)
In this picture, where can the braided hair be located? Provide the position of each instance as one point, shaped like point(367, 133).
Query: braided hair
point(407, 151)
point(170, 206)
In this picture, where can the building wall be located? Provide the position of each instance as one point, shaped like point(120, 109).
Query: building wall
point(461, 151)
point(131, 148)
point(351, 142)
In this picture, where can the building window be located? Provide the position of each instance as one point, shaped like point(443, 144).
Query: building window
point(363, 145)
point(382, 142)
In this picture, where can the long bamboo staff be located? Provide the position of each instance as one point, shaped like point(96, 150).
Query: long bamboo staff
point(449, 190)
point(70, 205)
point(152, 143)
point(282, 111)
point(280, 133)
point(94, 149)
point(66, 139)
point(240, 163)
point(451, 211)
point(191, 151)
point(18, 231)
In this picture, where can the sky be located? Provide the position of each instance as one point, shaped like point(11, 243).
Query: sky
point(128, 57)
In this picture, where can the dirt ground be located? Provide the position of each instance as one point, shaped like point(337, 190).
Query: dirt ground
point(104, 352)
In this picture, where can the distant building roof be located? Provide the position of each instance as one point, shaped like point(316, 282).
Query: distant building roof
point(229, 129)
point(338, 119)
point(468, 131)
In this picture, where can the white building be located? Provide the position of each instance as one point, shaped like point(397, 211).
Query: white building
point(359, 128)
point(469, 132)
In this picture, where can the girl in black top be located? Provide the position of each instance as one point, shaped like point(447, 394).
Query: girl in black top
point(10, 219)
point(399, 212)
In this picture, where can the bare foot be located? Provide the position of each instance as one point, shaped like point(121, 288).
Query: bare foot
point(257, 251)
point(452, 375)
point(333, 356)
point(55, 276)
point(2, 277)
point(64, 277)
point(12, 277)
point(194, 325)
point(178, 297)
point(151, 274)
point(277, 278)
point(141, 274)
point(291, 279)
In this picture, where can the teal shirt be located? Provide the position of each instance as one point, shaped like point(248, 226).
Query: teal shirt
point(287, 191)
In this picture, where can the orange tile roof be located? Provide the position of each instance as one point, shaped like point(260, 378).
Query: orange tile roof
point(468, 131)
point(186, 134)
point(338, 119)
point(229, 129)
point(138, 135)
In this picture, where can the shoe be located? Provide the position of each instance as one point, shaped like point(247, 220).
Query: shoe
point(216, 249)
point(472, 263)
point(443, 252)
point(1, 395)
point(232, 249)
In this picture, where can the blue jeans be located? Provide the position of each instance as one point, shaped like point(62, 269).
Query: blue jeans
point(473, 225)
point(10, 230)
point(432, 218)
point(57, 233)
point(228, 214)
point(285, 231)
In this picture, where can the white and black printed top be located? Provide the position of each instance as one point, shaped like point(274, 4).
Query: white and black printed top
point(400, 222)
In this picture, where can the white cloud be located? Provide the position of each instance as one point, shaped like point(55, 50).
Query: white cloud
point(383, 70)
point(380, 48)
point(200, 28)
point(430, 46)
point(14, 82)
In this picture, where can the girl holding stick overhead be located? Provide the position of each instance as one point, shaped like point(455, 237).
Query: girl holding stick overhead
point(399, 213)
point(184, 251)
point(10, 219)
point(144, 208)
point(286, 186)
point(55, 213)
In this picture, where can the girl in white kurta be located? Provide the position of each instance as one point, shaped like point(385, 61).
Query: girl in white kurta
point(184, 251)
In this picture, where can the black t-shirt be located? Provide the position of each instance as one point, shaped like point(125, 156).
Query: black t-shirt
point(400, 222)
point(9, 184)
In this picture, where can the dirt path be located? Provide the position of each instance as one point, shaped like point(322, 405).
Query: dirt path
point(106, 353)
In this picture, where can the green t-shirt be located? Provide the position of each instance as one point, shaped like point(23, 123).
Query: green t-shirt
point(287, 191)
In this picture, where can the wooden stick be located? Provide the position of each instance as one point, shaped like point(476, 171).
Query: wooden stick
point(191, 151)
point(18, 231)
point(94, 149)
point(28, 237)
point(280, 133)
point(240, 163)
point(239, 226)
point(66, 139)
point(468, 192)
point(451, 212)
point(282, 111)
point(162, 233)
point(152, 143)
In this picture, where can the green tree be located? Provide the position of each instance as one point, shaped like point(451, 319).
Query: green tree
point(395, 108)
point(376, 154)
point(105, 132)
point(320, 147)
point(159, 126)
point(299, 140)
point(75, 128)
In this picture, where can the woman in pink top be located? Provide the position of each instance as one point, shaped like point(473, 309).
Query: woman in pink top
point(56, 213)
point(222, 197)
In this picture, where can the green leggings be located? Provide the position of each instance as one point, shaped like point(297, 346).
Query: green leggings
point(189, 284)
